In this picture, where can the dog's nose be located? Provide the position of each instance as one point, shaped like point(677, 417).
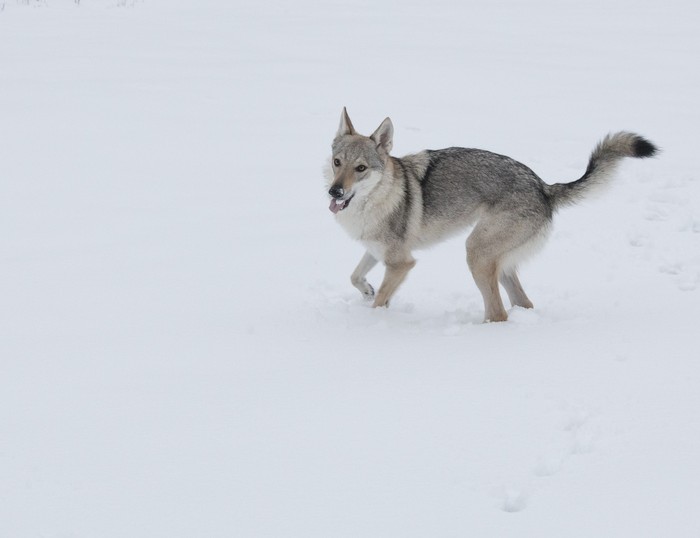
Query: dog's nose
point(336, 191)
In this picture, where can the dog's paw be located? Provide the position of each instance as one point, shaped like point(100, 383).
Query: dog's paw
point(380, 303)
point(368, 292)
point(496, 318)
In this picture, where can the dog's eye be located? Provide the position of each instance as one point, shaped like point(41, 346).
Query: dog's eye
point(336, 162)
point(361, 168)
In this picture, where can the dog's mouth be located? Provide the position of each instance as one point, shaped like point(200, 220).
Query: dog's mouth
point(339, 205)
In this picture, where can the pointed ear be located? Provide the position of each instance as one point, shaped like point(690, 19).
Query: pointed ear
point(384, 135)
point(345, 127)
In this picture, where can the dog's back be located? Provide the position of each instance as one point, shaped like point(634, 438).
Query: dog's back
point(459, 181)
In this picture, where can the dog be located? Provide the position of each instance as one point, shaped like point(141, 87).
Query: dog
point(396, 205)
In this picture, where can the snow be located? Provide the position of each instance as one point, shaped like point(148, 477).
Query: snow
point(182, 352)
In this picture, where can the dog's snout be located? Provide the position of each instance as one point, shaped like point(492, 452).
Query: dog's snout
point(336, 191)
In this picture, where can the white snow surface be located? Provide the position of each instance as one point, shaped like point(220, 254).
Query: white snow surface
point(182, 353)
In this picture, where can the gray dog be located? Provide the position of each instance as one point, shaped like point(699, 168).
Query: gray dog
point(393, 206)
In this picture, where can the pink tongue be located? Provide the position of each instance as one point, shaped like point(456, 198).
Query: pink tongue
point(336, 207)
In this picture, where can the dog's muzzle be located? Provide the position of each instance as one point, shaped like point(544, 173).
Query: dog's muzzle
point(339, 205)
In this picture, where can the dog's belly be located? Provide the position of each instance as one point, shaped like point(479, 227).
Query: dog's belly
point(438, 230)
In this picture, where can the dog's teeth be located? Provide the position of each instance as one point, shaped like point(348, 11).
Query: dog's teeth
point(339, 202)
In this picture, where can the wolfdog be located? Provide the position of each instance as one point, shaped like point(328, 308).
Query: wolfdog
point(395, 205)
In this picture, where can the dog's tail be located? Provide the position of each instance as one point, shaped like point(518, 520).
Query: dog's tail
point(601, 166)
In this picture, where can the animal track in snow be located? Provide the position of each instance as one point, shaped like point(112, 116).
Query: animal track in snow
point(514, 499)
point(574, 437)
point(685, 275)
point(669, 237)
point(575, 434)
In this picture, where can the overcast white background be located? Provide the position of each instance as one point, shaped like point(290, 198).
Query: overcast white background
point(182, 353)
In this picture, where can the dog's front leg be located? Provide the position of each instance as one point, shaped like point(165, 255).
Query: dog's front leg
point(358, 275)
point(394, 275)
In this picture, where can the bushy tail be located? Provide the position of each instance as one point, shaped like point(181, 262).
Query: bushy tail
point(601, 166)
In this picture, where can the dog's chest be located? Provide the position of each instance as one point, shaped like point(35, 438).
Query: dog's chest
point(362, 225)
point(360, 220)
point(353, 222)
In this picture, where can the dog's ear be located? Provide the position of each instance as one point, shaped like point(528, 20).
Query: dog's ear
point(346, 127)
point(384, 135)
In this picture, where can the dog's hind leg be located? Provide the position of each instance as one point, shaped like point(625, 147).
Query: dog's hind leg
point(516, 294)
point(485, 271)
point(485, 248)
point(493, 237)
point(358, 275)
point(497, 243)
point(535, 237)
point(395, 274)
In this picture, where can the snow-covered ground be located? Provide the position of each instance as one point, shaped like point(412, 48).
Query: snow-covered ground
point(182, 353)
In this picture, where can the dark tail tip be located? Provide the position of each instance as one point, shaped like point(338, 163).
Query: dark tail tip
point(643, 148)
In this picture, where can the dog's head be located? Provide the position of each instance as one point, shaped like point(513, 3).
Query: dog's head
point(358, 161)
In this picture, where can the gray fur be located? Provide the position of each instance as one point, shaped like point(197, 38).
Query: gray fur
point(601, 166)
point(394, 206)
